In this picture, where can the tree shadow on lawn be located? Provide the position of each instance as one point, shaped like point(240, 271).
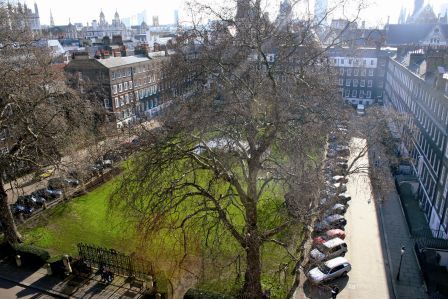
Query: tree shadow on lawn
point(323, 291)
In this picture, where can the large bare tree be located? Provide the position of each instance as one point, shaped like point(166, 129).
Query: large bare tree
point(239, 151)
point(39, 115)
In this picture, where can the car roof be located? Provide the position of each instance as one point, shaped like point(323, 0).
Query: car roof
point(333, 242)
point(336, 262)
point(334, 217)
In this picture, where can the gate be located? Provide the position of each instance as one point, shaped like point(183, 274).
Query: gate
point(117, 262)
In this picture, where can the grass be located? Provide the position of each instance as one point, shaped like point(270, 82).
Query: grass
point(89, 219)
point(85, 219)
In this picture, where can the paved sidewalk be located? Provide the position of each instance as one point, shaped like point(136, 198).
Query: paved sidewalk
point(396, 234)
point(70, 287)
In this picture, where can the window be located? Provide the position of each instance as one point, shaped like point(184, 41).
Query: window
point(125, 85)
point(371, 61)
point(355, 83)
point(129, 72)
point(106, 103)
point(117, 103)
point(120, 87)
point(113, 75)
point(361, 94)
point(369, 94)
point(347, 82)
point(347, 93)
point(126, 97)
point(363, 72)
point(362, 83)
point(369, 83)
point(118, 74)
point(355, 72)
point(114, 89)
point(341, 71)
point(349, 72)
point(121, 101)
point(354, 93)
point(130, 84)
point(341, 82)
point(370, 72)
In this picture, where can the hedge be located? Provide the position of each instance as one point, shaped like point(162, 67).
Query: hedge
point(31, 255)
point(203, 294)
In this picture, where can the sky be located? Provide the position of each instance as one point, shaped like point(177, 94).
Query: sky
point(88, 10)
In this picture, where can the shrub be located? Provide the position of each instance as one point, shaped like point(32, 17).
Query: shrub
point(31, 255)
point(203, 294)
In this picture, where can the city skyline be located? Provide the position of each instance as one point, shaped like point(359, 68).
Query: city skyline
point(373, 14)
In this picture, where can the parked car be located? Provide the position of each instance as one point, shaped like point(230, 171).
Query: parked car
point(332, 221)
point(329, 270)
point(32, 201)
point(44, 173)
point(54, 193)
point(71, 182)
point(340, 187)
point(329, 249)
point(328, 235)
point(339, 179)
point(46, 193)
point(344, 197)
point(18, 209)
point(360, 110)
point(337, 209)
point(331, 153)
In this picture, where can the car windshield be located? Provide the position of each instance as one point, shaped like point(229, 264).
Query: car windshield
point(324, 269)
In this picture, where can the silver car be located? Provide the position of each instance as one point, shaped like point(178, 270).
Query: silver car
point(329, 270)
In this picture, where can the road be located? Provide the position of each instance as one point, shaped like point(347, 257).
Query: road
point(10, 290)
point(26, 185)
point(369, 277)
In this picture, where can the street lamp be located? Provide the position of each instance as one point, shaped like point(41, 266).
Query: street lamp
point(403, 250)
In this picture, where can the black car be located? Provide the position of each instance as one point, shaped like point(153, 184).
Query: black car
point(48, 194)
point(18, 209)
point(32, 201)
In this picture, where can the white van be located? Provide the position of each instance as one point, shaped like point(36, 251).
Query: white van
point(360, 109)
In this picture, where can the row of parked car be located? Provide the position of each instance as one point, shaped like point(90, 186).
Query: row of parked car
point(329, 247)
point(26, 205)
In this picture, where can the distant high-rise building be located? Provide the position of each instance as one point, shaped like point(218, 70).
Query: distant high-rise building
point(176, 17)
point(320, 10)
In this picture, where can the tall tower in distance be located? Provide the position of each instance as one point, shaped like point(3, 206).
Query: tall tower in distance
point(418, 5)
point(51, 19)
point(320, 10)
point(155, 21)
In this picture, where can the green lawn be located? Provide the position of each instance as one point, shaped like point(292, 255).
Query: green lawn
point(89, 219)
point(83, 219)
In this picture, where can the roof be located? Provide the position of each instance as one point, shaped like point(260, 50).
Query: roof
point(335, 262)
point(112, 62)
point(333, 242)
point(404, 34)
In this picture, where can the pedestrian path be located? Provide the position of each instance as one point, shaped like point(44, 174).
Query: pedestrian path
point(70, 287)
point(396, 233)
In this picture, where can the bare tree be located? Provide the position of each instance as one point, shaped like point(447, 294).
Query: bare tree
point(240, 150)
point(39, 115)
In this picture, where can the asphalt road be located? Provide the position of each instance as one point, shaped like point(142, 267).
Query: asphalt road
point(369, 275)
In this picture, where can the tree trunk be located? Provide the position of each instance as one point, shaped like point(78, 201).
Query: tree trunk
point(12, 235)
point(252, 277)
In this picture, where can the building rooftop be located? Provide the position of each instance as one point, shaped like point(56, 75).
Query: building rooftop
point(409, 34)
point(112, 62)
